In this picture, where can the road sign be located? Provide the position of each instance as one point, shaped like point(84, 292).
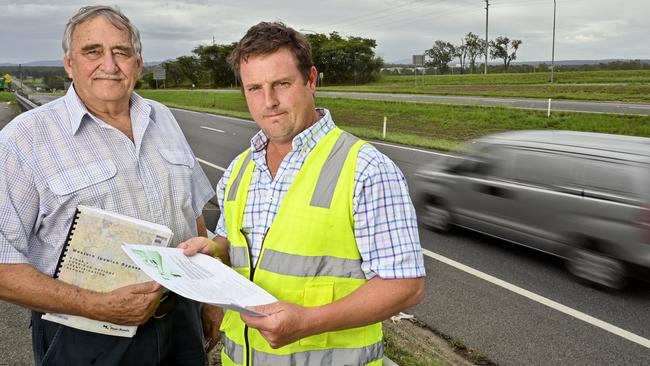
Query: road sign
point(418, 60)
point(159, 73)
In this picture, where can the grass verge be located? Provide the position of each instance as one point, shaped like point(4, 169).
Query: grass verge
point(409, 342)
point(560, 77)
point(6, 96)
point(436, 126)
point(610, 85)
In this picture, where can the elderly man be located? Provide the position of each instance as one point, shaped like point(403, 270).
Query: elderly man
point(317, 217)
point(100, 145)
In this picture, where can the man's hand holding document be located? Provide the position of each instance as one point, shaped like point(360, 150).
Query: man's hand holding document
point(199, 277)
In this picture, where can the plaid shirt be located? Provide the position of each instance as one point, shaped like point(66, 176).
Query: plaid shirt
point(58, 156)
point(385, 225)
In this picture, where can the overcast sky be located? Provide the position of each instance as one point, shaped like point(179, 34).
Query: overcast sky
point(585, 29)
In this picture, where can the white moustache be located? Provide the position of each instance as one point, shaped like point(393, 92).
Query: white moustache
point(108, 76)
point(272, 111)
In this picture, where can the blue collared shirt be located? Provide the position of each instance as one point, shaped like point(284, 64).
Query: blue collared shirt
point(58, 156)
point(385, 225)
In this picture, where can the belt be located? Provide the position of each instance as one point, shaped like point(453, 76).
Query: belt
point(166, 304)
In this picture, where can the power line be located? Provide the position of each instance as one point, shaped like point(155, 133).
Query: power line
point(420, 18)
point(357, 17)
point(393, 11)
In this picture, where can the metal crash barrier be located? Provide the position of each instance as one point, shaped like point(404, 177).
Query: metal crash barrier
point(24, 102)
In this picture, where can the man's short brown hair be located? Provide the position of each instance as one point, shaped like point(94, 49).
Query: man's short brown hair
point(266, 38)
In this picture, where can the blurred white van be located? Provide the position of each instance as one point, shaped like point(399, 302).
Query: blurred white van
point(582, 196)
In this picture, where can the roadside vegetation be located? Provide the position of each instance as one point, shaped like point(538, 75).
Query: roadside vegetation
point(605, 85)
point(436, 126)
point(409, 342)
point(6, 96)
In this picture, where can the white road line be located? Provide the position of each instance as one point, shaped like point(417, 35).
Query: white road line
point(410, 149)
point(214, 115)
point(372, 141)
point(213, 129)
point(211, 165)
point(639, 107)
point(543, 300)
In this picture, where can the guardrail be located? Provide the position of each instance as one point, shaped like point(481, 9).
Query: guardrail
point(24, 102)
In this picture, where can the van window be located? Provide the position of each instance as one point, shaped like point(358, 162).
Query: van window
point(485, 161)
point(612, 179)
point(547, 169)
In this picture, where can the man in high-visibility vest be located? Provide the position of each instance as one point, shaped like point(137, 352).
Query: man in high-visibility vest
point(318, 218)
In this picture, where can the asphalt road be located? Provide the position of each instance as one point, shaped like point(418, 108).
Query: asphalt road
point(522, 103)
point(509, 328)
point(15, 335)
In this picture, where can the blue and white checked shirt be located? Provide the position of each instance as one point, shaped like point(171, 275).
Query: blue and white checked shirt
point(58, 156)
point(385, 225)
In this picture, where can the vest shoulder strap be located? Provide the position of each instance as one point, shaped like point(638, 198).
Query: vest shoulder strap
point(331, 171)
point(239, 168)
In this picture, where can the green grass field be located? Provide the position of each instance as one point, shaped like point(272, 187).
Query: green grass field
point(564, 77)
point(428, 125)
point(615, 85)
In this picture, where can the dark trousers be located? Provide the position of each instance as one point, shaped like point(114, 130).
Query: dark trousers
point(176, 339)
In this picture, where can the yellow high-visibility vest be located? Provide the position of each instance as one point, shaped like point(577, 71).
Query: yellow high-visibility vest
point(309, 257)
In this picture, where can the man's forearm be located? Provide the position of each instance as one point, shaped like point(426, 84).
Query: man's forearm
point(373, 302)
point(23, 285)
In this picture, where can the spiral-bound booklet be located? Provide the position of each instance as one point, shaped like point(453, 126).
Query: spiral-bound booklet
point(92, 258)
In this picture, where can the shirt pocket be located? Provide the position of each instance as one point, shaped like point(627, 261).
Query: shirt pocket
point(89, 184)
point(178, 157)
point(179, 175)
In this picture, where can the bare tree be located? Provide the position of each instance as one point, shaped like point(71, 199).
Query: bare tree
point(500, 47)
point(461, 53)
point(475, 47)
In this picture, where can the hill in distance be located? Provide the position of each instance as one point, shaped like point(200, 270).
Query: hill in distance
point(59, 63)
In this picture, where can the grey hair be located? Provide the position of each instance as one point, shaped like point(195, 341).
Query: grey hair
point(113, 15)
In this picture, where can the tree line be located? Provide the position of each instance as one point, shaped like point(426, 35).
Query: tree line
point(470, 49)
point(340, 60)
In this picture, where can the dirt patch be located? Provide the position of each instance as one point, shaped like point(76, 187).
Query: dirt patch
point(411, 343)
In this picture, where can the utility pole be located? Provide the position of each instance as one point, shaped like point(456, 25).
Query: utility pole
point(553, 50)
point(22, 81)
point(487, 5)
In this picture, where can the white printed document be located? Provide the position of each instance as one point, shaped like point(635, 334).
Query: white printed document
point(199, 277)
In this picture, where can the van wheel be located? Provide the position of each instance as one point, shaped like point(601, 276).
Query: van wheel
point(436, 216)
point(597, 268)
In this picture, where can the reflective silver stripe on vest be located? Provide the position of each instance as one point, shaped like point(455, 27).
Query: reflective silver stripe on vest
point(331, 171)
point(232, 349)
point(234, 187)
point(238, 257)
point(310, 266)
point(334, 356)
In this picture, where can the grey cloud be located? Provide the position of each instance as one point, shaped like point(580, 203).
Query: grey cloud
point(595, 29)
